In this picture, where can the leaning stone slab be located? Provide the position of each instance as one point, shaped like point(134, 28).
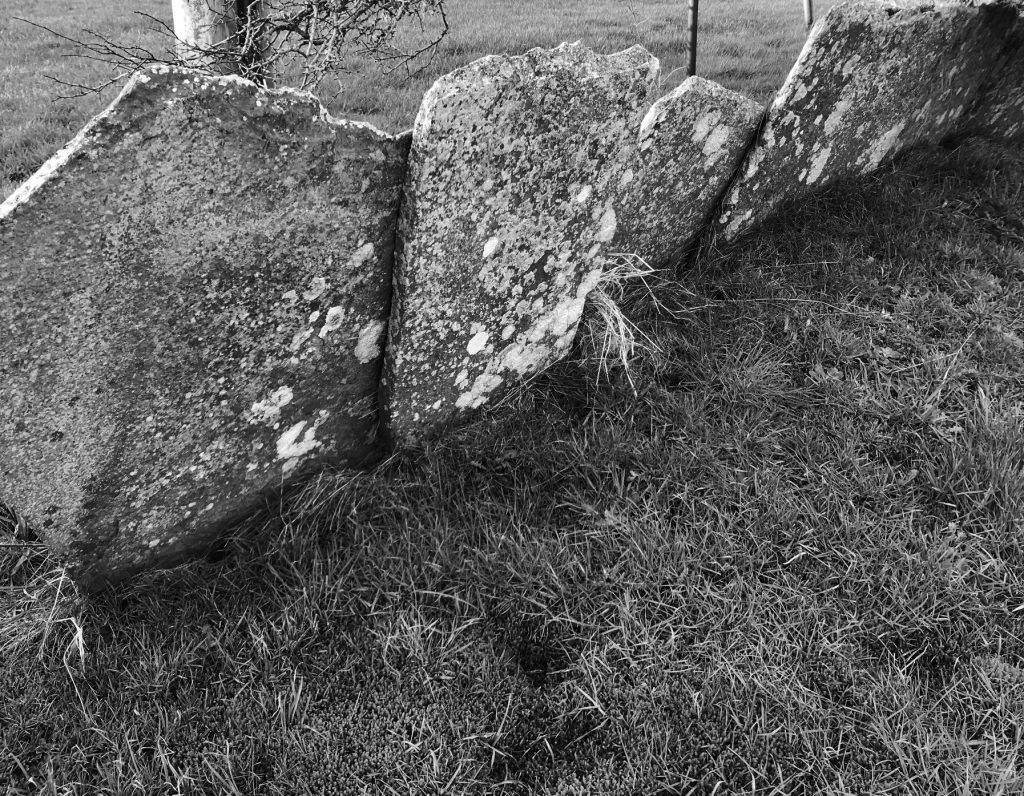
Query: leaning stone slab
point(1000, 110)
point(195, 293)
point(689, 146)
point(506, 223)
point(873, 80)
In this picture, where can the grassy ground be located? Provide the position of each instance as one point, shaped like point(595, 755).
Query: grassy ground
point(744, 44)
point(791, 563)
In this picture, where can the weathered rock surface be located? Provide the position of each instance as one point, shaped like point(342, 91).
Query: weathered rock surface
point(873, 80)
point(1001, 107)
point(195, 295)
point(689, 146)
point(506, 221)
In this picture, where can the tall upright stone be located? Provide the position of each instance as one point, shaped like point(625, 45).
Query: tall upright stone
point(195, 295)
point(688, 147)
point(874, 79)
point(506, 224)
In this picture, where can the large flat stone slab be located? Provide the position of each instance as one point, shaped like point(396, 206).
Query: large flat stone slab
point(506, 223)
point(872, 80)
point(689, 146)
point(195, 295)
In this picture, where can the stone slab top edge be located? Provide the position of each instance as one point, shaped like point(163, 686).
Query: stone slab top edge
point(54, 164)
point(878, 8)
point(692, 85)
point(488, 66)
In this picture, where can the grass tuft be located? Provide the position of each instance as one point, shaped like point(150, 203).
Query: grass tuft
point(607, 338)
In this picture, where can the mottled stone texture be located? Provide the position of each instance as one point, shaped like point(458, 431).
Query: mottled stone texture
point(195, 294)
point(1001, 108)
point(689, 146)
point(873, 79)
point(507, 217)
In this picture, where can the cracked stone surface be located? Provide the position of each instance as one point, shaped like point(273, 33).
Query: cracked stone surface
point(195, 296)
point(506, 223)
point(872, 80)
point(689, 146)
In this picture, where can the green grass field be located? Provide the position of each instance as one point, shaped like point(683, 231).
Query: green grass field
point(790, 562)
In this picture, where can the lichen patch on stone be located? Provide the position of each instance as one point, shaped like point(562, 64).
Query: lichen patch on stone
point(300, 440)
point(509, 210)
point(269, 410)
point(687, 148)
point(1000, 111)
point(370, 338)
point(147, 369)
point(873, 79)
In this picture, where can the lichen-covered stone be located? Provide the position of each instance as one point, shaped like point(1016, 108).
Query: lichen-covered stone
point(873, 80)
point(506, 222)
point(195, 294)
point(1000, 111)
point(689, 146)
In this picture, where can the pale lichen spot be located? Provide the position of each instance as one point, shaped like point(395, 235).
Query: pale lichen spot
point(705, 125)
point(649, 125)
point(361, 255)
point(290, 297)
point(491, 247)
point(368, 347)
point(886, 142)
point(335, 318)
point(608, 225)
point(585, 193)
point(269, 410)
point(484, 385)
point(626, 178)
point(818, 165)
point(298, 441)
point(477, 344)
point(314, 316)
point(316, 289)
point(716, 142)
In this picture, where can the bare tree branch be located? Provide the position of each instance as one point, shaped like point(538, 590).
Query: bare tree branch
point(290, 42)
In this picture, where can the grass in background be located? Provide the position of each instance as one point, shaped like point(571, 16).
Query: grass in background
point(791, 562)
point(34, 123)
point(748, 45)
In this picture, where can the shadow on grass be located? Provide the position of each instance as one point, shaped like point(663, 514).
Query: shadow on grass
point(786, 552)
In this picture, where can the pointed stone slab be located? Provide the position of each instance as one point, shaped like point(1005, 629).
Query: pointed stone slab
point(195, 294)
point(506, 223)
point(689, 146)
point(873, 80)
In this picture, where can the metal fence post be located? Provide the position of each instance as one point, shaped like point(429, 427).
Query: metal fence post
point(692, 68)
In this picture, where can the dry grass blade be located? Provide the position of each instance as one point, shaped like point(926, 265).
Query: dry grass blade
point(608, 339)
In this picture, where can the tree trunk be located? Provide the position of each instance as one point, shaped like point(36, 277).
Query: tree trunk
point(206, 32)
